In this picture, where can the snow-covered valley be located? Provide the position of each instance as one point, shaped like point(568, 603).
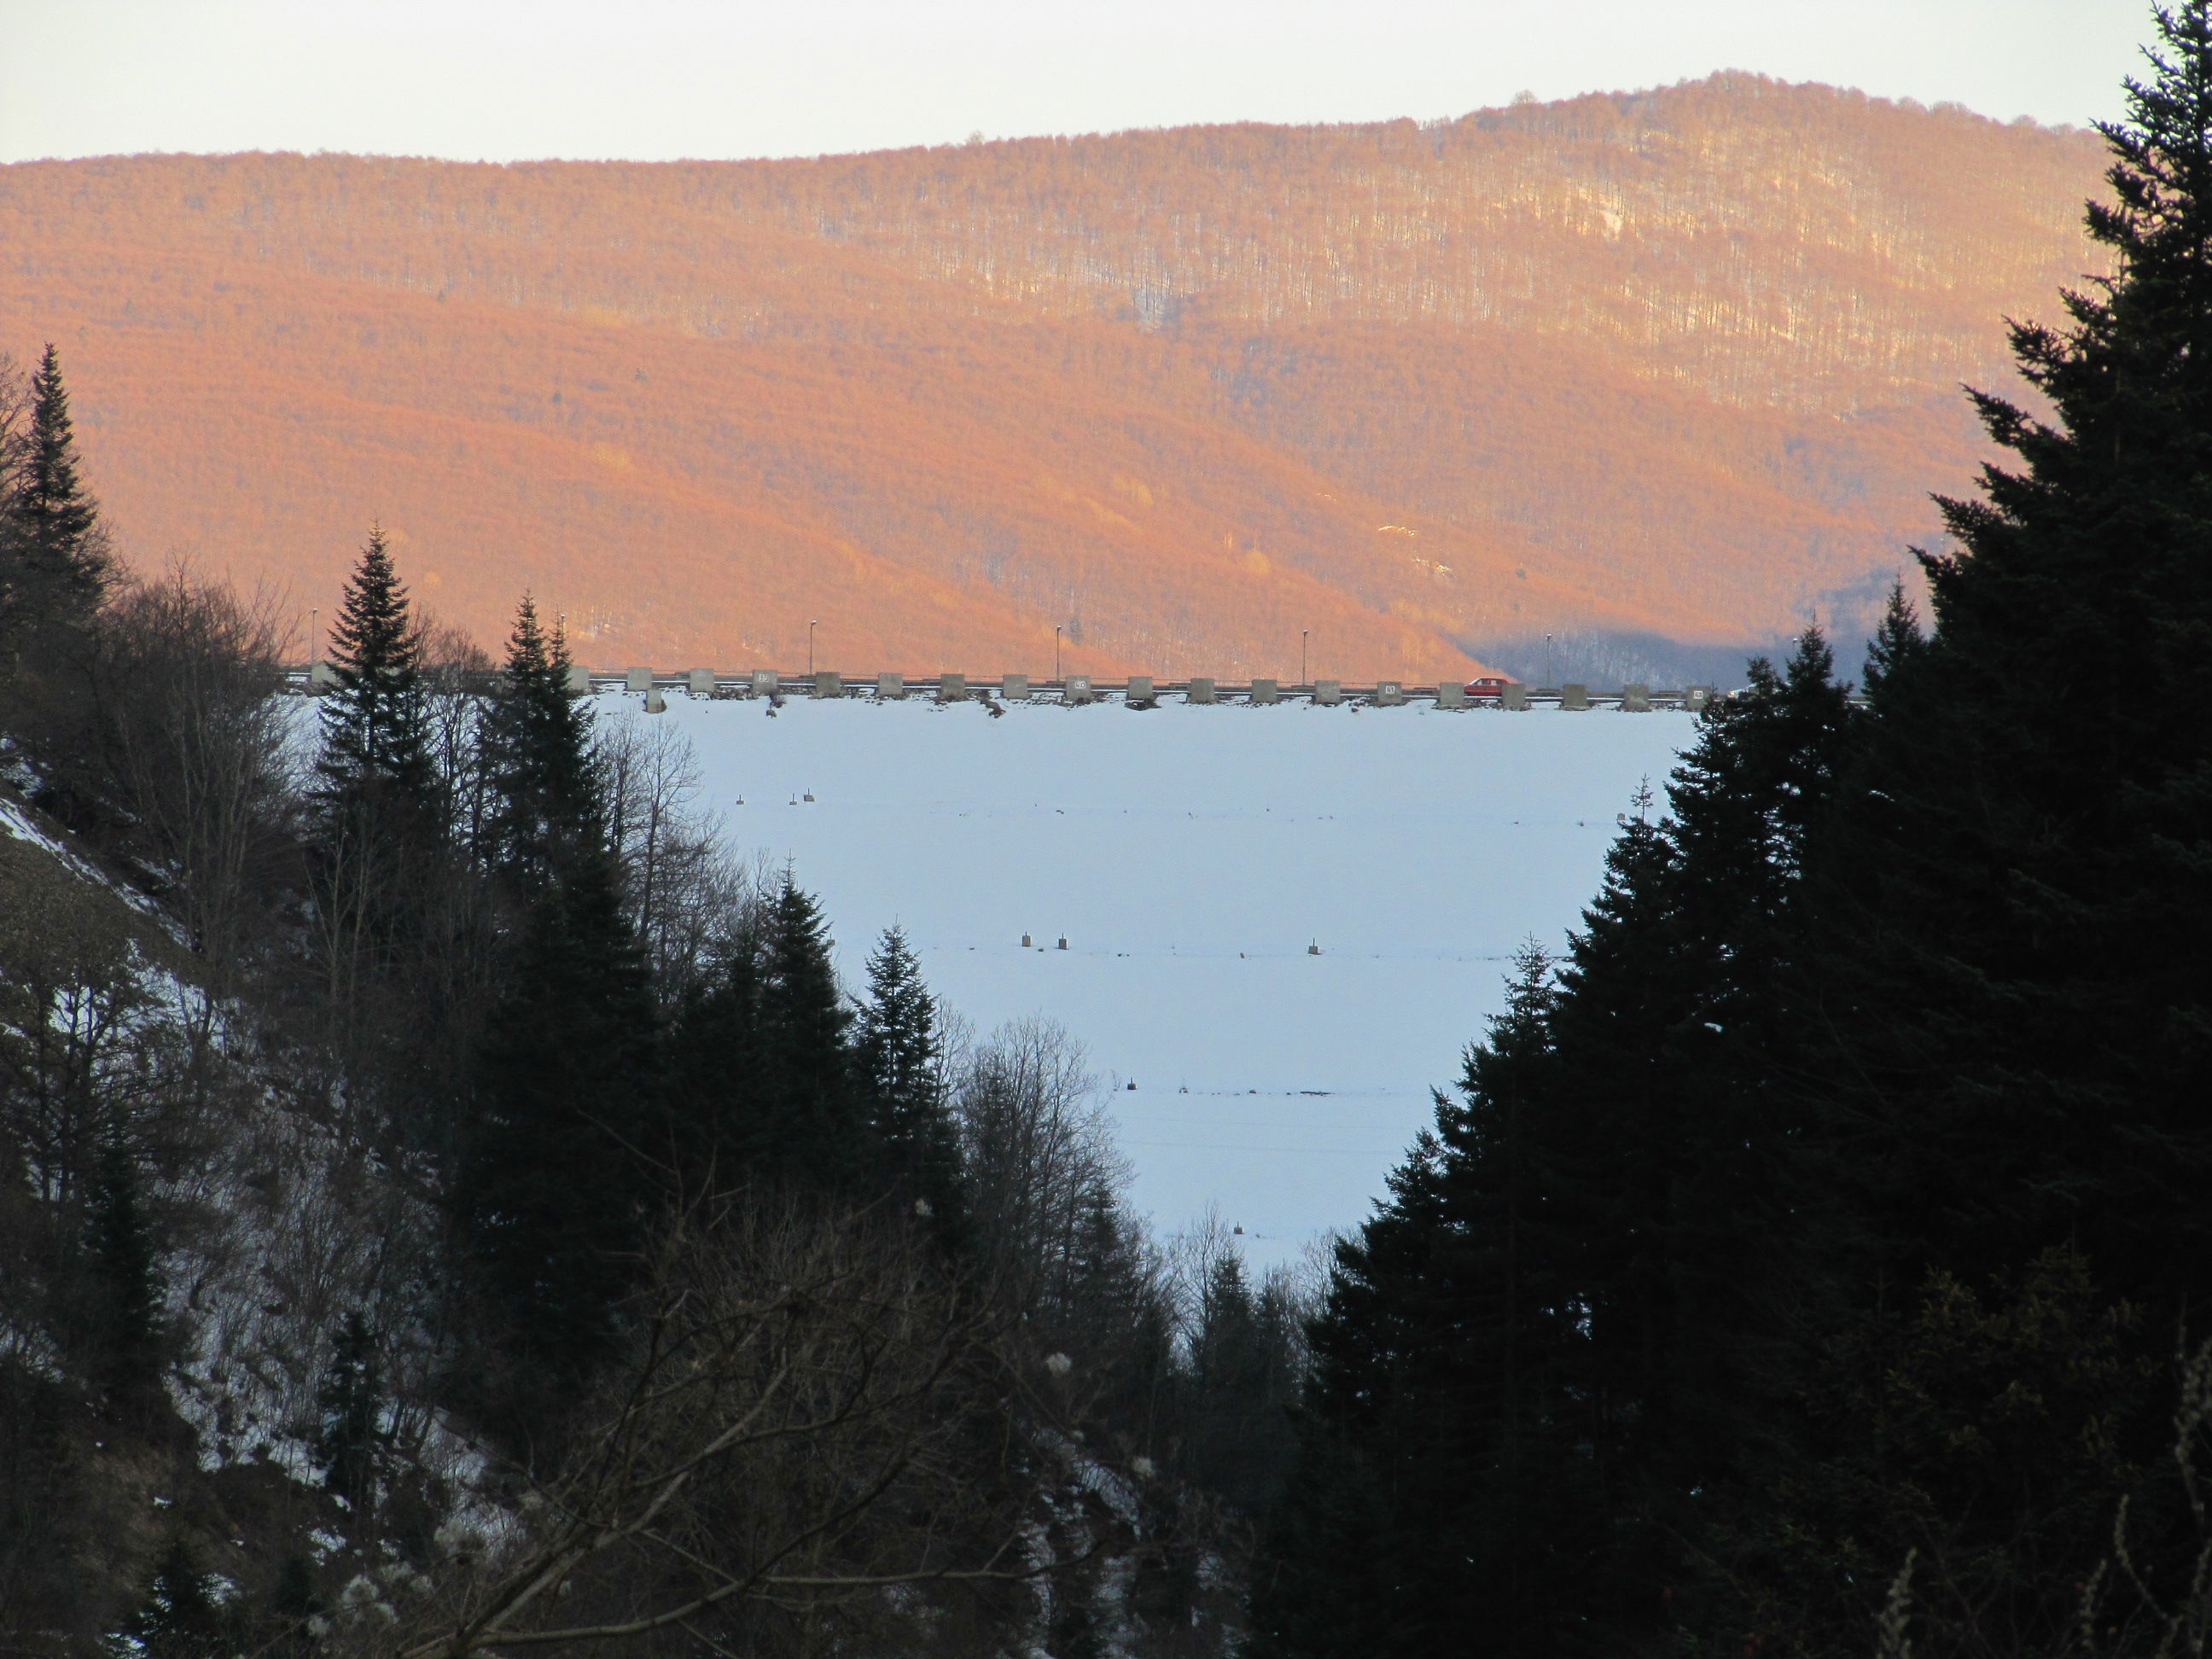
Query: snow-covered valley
point(1189, 857)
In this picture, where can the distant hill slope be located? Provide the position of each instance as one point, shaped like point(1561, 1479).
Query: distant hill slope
point(1682, 361)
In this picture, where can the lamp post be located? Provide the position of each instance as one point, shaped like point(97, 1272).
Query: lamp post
point(1056, 627)
point(1302, 633)
point(810, 626)
point(314, 636)
point(1547, 658)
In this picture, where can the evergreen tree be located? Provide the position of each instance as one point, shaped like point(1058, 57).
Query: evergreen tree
point(718, 1129)
point(376, 759)
point(764, 1084)
point(899, 1062)
point(569, 1144)
point(350, 1436)
point(1548, 1342)
point(180, 1618)
point(54, 563)
point(558, 1178)
point(547, 799)
point(810, 1100)
point(2020, 981)
point(124, 1259)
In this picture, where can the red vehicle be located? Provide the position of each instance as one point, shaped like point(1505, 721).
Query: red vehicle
point(1487, 688)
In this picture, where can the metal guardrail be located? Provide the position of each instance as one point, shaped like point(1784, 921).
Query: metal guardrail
point(1142, 690)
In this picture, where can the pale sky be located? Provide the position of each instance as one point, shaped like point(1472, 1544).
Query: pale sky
point(503, 80)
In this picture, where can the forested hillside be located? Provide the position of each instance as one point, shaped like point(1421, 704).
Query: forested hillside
point(447, 1201)
point(1680, 362)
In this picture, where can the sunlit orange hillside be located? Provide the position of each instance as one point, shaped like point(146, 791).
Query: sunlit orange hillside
point(1683, 362)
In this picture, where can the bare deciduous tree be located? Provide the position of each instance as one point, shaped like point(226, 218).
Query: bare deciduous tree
point(818, 1440)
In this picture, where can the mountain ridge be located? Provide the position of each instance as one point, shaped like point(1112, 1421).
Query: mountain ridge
point(1681, 362)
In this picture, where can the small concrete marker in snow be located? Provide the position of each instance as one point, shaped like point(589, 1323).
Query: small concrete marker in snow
point(1063, 941)
point(1015, 687)
point(1314, 949)
point(1574, 696)
point(637, 680)
point(1266, 691)
point(1025, 941)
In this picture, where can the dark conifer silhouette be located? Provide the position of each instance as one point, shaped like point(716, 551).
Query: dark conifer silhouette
point(898, 1059)
point(124, 1259)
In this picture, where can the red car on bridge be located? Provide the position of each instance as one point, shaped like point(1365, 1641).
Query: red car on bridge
point(1487, 687)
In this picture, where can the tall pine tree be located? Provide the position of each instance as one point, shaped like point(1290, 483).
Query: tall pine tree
point(898, 1060)
point(54, 563)
point(2020, 985)
point(564, 1160)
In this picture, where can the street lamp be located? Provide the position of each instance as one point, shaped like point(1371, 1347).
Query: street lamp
point(314, 636)
point(1302, 632)
point(1547, 658)
point(1056, 627)
point(810, 626)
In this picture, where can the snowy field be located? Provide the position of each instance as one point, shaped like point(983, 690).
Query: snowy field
point(1190, 856)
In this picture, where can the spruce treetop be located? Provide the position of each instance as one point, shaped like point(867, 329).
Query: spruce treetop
point(373, 729)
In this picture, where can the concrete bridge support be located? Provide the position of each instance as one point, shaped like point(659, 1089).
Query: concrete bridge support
point(1200, 689)
point(1574, 696)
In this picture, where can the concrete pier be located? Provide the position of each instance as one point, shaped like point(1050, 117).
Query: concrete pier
point(1390, 694)
point(1328, 693)
point(827, 684)
point(1200, 689)
point(1140, 687)
point(1574, 696)
point(1636, 700)
point(1076, 688)
point(891, 687)
point(1015, 687)
point(637, 680)
point(1266, 691)
point(953, 687)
